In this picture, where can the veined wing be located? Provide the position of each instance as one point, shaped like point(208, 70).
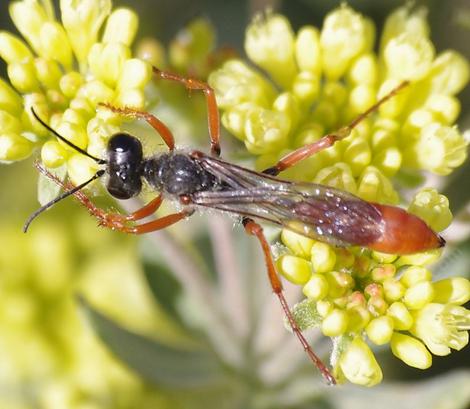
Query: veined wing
point(313, 210)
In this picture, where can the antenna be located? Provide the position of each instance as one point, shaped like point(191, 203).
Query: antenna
point(65, 194)
point(72, 145)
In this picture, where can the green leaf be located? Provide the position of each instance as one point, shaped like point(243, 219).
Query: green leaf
point(47, 189)
point(306, 314)
point(165, 288)
point(159, 363)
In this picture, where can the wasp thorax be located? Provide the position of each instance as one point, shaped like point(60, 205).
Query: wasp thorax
point(124, 156)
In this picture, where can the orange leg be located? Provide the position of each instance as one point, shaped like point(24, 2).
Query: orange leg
point(306, 151)
point(152, 120)
point(117, 221)
point(212, 111)
point(255, 229)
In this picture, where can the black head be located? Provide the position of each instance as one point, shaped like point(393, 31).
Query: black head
point(124, 159)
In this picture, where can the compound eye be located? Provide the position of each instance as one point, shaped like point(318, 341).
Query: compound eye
point(123, 145)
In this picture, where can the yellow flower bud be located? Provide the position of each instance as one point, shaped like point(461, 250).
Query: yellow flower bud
point(9, 123)
point(449, 73)
point(405, 19)
point(99, 131)
point(336, 92)
point(23, 76)
point(453, 290)
point(362, 97)
point(135, 74)
point(323, 257)
point(380, 330)
point(414, 275)
point(134, 98)
point(29, 17)
point(298, 244)
point(269, 42)
point(408, 57)
point(236, 83)
point(73, 133)
point(364, 70)
point(358, 364)
point(121, 27)
point(10, 101)
point(82, 21)
point(289, 105)
point(151, 51)
point(388, 161)
point(383, 272)
point(14, 147)
point(359, 317)
point(335, 323)
point(357, 155)
point(106, 61)
point(382, 139)
point(383, 258)
point(295, 269)
point(402, 319)
point(55, 44)
point(411, 351)
point(70, 83)
point(339, 283)
point(324, 307)
point(307, 49)
point(12, 49)
point(440, 149)
point(393, 290)
point(375, 187)
point(445, 108)
point(419, 295)
point(80, 168)
point(48, 72)
point(326, 114)
point(416, 121)
point(394, 106)
point(234, 120)
point(344, 258)
point(306, 86)
point(339, 176)
point(316, 288)
point(433, 208)
point(53, 154)
point(344, 36)
point(266, 130)
point(96, 92)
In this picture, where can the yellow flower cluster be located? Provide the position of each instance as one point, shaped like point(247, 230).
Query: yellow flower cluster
point(63, 71)
point(318, 81)
point(355, 294)
point(46, 345)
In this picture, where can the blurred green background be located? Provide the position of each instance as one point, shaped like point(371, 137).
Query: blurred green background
point(50, 355)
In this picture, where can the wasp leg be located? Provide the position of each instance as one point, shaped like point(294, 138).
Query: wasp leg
point(212, 110)
point(255, 229)
point(325, 142)
point(157, 224)
point(152, 120)
point(111, 220)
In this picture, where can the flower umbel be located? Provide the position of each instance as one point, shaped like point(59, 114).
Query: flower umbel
point(316, 82)
point(63, 71)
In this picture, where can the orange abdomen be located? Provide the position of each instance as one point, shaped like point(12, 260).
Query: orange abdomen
point(404, 233)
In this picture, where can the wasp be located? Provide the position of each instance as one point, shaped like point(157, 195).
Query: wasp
point(197, 180)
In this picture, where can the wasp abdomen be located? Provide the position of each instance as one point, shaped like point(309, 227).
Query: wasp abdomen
point(404, 233)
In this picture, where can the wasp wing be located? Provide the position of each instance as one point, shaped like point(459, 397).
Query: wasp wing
point(317, 211)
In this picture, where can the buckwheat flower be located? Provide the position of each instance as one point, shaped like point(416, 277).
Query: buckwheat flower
point(306, 84)
point(64, 70)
